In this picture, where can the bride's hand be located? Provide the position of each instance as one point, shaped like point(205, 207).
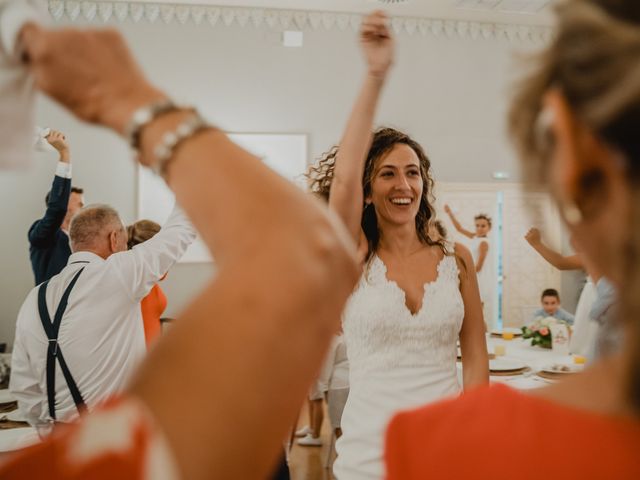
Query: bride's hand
point(377, 43)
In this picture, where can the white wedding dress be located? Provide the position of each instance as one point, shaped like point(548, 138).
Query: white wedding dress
point(487, 279)
point(398, 360)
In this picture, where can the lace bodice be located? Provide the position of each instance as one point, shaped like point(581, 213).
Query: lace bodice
point(381, 333)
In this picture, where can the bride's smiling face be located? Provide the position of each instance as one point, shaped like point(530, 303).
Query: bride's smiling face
point(397, 186)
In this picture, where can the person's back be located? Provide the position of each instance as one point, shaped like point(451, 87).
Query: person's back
point(48, 259)
point(102, 348)
point(155, 303)
point(101, 333)
point(152, 306)
point(500, 433)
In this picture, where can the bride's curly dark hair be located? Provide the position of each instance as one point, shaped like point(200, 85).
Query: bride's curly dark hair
point(321, 174)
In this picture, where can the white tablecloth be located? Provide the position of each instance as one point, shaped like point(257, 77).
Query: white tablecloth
point(17, 438)
point(14, 438)
point(536, 358)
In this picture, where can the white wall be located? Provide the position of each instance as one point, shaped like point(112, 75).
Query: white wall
point(450, 93)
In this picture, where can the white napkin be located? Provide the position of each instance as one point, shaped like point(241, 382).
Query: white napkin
point(40, 143)
point(17, 90)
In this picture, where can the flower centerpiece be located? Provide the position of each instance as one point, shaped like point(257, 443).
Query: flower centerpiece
point(539, 331)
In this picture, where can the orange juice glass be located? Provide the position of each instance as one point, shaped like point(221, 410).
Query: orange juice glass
point(579, 359)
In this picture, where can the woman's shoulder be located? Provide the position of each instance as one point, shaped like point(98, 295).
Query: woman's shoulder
point(435, 436)
point(498, 403)
point(462, 256)
point(460, 250)
point(455, 410)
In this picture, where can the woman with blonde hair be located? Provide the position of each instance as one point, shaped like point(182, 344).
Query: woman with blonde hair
point(575, 121)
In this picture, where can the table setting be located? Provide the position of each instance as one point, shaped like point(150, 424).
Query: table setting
point(523, 363)
point(15, 431)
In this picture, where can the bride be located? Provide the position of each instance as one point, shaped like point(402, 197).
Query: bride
point(417, 295)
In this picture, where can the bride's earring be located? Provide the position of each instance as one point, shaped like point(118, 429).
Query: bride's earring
point(571, 213)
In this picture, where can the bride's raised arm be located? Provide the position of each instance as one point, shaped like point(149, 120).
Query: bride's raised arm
point(346, 196)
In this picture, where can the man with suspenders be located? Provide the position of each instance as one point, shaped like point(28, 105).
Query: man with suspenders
point(79, 335)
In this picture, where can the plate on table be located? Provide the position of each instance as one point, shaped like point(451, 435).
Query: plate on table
point(14, 416)
point(6, 397)
point(562, 368)
point(501, 365)
point(17, 438)
point(516, 332)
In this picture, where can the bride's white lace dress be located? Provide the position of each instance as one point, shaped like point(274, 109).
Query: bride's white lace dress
point(398, 360)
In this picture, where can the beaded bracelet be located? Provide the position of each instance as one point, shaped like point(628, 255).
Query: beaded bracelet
point(145, 115)
point(165, 149)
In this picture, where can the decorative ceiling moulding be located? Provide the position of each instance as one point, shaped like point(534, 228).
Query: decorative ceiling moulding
point(276, 19)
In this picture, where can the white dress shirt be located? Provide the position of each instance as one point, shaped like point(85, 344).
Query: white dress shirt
point(101, 335)
point(63, 170)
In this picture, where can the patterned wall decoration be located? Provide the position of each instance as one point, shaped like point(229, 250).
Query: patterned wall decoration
point(277, 19)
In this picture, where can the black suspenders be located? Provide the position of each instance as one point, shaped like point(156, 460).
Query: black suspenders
point(53, 352)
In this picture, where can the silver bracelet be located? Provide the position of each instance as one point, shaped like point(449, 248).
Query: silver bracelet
point(165, 150)
point(145, 115)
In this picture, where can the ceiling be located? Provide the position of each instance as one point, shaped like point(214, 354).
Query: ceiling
point(535, 12)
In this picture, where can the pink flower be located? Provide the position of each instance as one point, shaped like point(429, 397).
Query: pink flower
point(533, 327)
point(544, 331)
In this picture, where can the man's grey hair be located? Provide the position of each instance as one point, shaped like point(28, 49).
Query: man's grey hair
point(90, 223)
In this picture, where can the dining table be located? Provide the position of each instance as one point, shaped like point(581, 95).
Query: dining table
point(15, 432)
point(515, 362)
